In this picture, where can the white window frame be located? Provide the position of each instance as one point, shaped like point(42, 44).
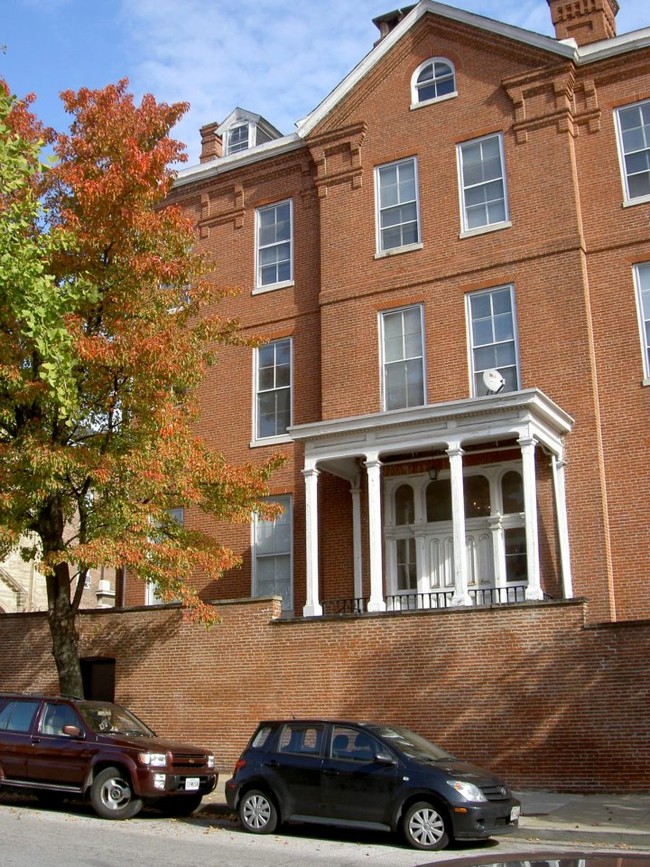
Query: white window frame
point(239, 146)
point(466, 230)
point(627, 198)
point(286, 501)
point(259, 285)
point(416, 102)
point(473, 371)
point(642, 287)
point(151, 596)
point(379, 210)
point(385, 362)
point(273, 438)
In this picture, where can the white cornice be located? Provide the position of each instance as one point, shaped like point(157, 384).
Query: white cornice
point(266, 151)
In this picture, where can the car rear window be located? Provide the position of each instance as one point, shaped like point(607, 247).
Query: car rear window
point(17, 716)
point(261, 736)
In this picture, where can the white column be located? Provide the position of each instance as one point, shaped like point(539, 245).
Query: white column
point(377, 601)
point(495, 523)
point(312, 607)
point(461, 595)
point(562, 524)
point(534, 589)
point(357, 563)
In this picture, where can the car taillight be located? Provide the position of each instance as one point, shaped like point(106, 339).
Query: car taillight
point(240, 764)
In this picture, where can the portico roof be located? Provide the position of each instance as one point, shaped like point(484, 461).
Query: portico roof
point(528, 413)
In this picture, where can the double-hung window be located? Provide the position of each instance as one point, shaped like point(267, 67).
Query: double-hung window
point(272, 570)
point(273, 389)
point(274, 248)
point(398, 209)
point(237, 139)
point(492, 334)
point(482, 183)
point(633, 124)
point(642, 280)
point(403, 358)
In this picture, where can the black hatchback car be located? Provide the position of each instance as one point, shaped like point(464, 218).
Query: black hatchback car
point(366, 775)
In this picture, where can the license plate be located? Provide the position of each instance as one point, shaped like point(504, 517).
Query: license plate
point(515, 813)
point(191, 784)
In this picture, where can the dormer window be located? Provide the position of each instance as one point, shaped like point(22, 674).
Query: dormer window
point(242, 130)
point(433, 80)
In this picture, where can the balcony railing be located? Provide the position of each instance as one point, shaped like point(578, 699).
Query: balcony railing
point(423, 601)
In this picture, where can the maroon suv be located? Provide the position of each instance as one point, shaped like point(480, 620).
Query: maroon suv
point(55, 746)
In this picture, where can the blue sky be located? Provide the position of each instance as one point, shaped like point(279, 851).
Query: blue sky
point(277, 58)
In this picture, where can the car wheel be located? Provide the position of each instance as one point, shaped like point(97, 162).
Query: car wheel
point(258, 813)
point(181, 805)
point(424, 827)
point(112, 796)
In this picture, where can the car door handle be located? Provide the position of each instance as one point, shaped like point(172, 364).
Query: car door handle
point(271, 764)
point(331, 772)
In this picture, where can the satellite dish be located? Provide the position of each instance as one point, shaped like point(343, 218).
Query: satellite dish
point(493, 381)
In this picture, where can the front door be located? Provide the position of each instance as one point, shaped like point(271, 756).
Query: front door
point(356, 787)
point(57, 757)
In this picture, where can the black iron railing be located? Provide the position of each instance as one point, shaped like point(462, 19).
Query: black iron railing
point(423, 601)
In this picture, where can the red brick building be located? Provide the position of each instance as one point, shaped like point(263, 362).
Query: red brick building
point(449, 266)
point(449, 263)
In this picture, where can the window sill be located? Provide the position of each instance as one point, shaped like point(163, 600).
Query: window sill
point(395, 251)
point(641, 200)
point(270, 441)
point(260, 290)
point(646, 381)
point(482, 230)
point(425, 102)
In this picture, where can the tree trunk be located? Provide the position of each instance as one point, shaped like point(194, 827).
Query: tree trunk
point(61, 617)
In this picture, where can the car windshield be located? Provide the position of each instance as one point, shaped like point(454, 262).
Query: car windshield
point(112, 719)
point(412, 745)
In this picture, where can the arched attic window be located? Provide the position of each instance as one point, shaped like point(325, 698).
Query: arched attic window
point(433, 80)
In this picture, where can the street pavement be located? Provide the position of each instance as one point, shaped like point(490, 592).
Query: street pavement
point(604, 820)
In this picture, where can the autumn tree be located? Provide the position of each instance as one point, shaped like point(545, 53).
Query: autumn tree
point(107, 324)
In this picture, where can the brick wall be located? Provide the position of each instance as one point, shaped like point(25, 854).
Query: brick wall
point(526, 690)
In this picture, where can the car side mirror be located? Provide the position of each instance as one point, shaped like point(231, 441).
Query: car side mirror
point(73, 731)
point(385, 759)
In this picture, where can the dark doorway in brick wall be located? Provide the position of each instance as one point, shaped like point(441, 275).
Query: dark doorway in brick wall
point(98, 676)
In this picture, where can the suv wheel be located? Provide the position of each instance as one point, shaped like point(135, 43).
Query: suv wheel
point(258, 813)
point(112, 797)
point(424, 827)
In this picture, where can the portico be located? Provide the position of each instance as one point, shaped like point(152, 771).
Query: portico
point(476, 547)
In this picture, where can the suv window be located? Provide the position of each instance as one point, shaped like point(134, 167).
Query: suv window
point(55, 716)
point(300, 738)
point(17, 716)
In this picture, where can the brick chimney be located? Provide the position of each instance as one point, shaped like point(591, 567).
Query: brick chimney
point(211, 144)
point(389, 21)
point(584, 20)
